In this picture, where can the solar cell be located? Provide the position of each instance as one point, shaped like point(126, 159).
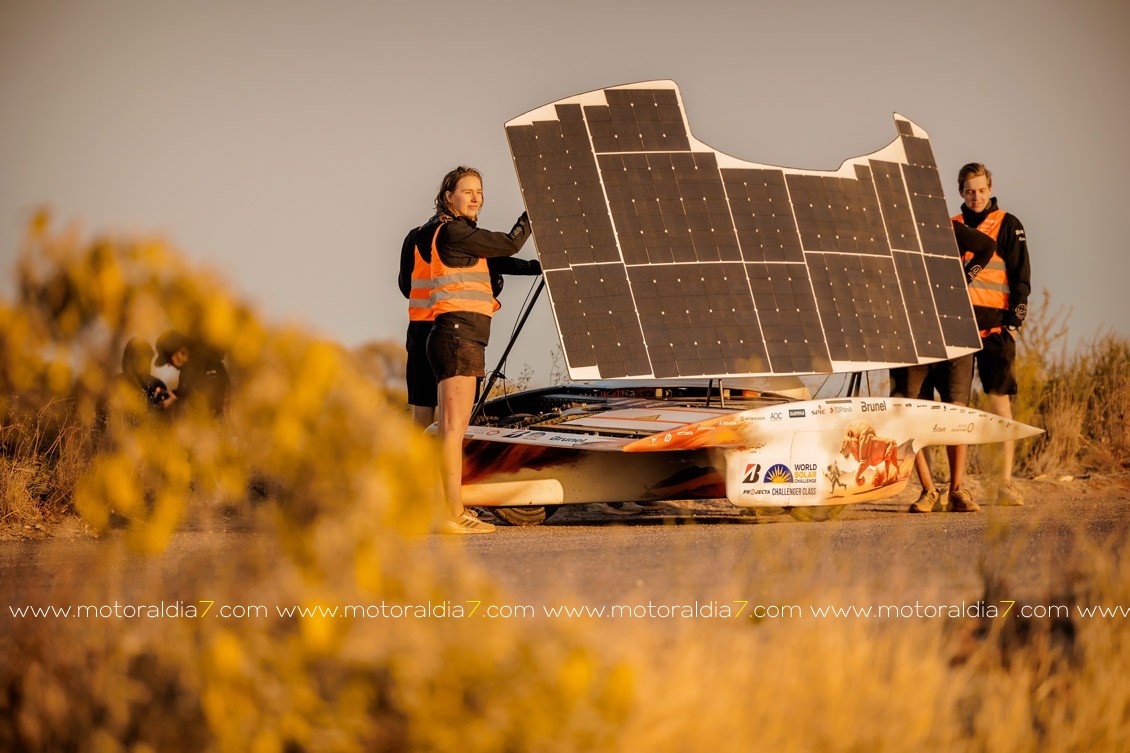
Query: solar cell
point(667, 258)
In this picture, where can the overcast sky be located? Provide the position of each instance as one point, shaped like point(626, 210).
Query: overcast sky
point(292, 144)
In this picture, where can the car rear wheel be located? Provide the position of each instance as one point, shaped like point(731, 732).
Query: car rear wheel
point(524, 516)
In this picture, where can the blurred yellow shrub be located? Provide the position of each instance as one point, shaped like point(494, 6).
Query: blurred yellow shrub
point(336, 481)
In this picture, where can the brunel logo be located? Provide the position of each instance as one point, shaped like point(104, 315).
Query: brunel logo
point(866, 407)
point(796, 412)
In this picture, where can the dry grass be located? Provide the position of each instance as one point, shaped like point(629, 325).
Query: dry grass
point(42, 454)
point(1079, 395)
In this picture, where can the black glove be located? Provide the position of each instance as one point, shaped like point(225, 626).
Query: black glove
point(1015, 319)
point(521, 228)
point(971, 272)
point(535, 267)
point(496, 283)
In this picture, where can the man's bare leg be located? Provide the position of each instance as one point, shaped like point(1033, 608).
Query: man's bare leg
point(956, 454)
point(1001, 405)
point(922, 467)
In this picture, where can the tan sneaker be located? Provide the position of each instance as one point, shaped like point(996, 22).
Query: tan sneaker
point(1009, 496)
point(928, 501)
point(467, 523)
point(961, 501)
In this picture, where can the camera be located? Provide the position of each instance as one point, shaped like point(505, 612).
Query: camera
point(156, 392)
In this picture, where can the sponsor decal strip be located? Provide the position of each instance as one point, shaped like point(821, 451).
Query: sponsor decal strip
point(544, 438)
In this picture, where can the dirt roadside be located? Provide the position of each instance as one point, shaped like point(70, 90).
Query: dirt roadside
point(1045, 491)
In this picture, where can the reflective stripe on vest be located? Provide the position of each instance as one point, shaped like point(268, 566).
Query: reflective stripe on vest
point(420, 296)
point(989, 288)
point(460, 288)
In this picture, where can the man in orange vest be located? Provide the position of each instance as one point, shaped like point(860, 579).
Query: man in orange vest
point(1000, 302)
point(953, 380)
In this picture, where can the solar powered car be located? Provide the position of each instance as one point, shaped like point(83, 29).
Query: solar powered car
point(677, 274)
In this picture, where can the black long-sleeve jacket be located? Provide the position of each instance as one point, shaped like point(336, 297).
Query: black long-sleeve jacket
point(977, 243)
point(1012, 247)
point(499, 265)
point(462, 243)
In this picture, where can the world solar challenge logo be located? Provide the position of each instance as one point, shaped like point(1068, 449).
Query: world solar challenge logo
point(781, 482)
point(778, 474)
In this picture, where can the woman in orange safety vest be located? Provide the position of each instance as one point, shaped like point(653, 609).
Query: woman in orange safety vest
point(463, 303)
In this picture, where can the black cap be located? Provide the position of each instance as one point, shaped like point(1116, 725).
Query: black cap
point(169, 343)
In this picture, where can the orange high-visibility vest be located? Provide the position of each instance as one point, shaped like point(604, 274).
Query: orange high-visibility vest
point(990, 288)
point(420, 296)
point(460, 288)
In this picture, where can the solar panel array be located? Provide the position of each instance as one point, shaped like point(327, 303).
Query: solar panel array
point(665, 258)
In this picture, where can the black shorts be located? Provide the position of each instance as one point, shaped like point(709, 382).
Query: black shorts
point(455, 356)
point(418, 372)
point(911, 381)
point(420, 377)
point(952, 379)
point(994, 364)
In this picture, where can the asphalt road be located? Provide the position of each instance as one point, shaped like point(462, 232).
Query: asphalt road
point(709, 552)
point(704, 551)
